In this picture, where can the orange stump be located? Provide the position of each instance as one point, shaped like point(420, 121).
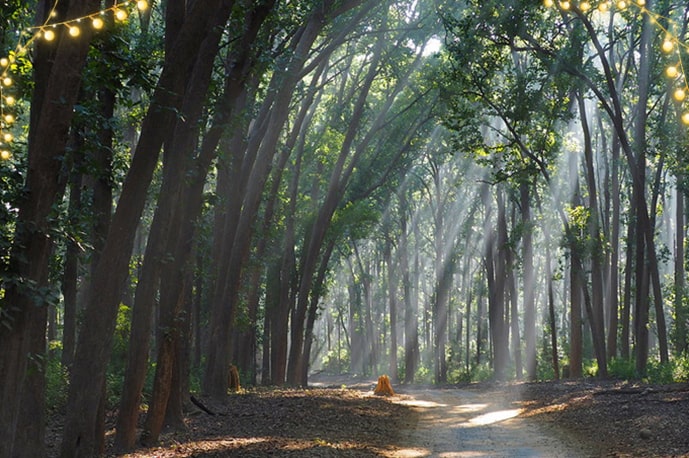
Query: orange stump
point(384, 388)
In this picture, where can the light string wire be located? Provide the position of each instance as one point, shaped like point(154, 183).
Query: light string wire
point(47, 32)
point(670, 46)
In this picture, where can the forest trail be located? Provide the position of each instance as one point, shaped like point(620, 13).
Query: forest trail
point(466, 422)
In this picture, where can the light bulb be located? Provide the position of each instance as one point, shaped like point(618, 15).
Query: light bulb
point(621, 4)
point(74, 31)
point(5, 155)
point(4, 62)
point(672, 71)
point(668, 46)
point(679, 94)
point(9, 100)
point(685, 117)
point(49, 35)
point(120, 15)
point(9, 119)
point(97, 23)
point(7, 81)
point(142, 5)
point(641, 2)
point(548, 3)
point(7, 137)
point(603, 7)
point(565, 5)
point(584, 6)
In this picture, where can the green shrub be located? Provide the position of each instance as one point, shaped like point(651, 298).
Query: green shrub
point(56, 384)
point(657, 372)
point(622, 369)
point(334, 363)
point(681, 368)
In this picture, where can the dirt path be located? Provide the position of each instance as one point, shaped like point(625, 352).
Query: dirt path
point(471, 423)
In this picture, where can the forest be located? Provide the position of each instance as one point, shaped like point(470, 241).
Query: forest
point(436, 190)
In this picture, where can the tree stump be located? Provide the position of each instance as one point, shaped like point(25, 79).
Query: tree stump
point(384, 388)
point(234, 379)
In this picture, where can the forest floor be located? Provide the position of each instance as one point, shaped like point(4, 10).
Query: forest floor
point(342, 418)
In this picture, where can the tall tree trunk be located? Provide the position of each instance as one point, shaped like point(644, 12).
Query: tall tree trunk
point(680, 283)
point(392, 300)
point(613, 286)
point(597, 320)
point(554, 353)
point(628, 296)
point(496, 276)
point(411, 341)
point(529, 286)
point(576, 328)
point(71, 267)
point(57, 79)
point(313, 308)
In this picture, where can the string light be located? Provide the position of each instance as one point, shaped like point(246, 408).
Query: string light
point(670, 46)
point(48, 32)
point(685, 118)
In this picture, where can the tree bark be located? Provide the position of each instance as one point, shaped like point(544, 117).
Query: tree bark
point(23, 309)
point(529, 286)
point(95, 341)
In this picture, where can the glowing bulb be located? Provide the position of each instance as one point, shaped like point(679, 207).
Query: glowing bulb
point(120, 15)
point(668, 46)
point(621, 4)
point(142, 5)
point(7, 81)
point(74, 31)
point(9, 119)
point(97, 23)
point(548, 3)
point(641, 2)
point(679, 94)
point(603, 7)
point(9, 100)
point(685, 117)
point(49, 35)
point(7, 137)
point(584, 6)
point(672, 71)
point(4, 62)
point(5, 155)
point(565, 5)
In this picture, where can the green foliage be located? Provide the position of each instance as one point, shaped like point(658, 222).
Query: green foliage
point(657, 372)
point(334, 363)
point(56, 384)
point(674, 371)
point(480, 373)
point(590, 368)
point(680, 371)
point(121, 339)
point(423, 375)
point(623, 369)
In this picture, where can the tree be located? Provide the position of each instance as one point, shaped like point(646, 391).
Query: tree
point(25, 278)
point(94, 345)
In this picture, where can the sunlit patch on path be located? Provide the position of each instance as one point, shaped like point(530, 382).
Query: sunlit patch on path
point(469, 423)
